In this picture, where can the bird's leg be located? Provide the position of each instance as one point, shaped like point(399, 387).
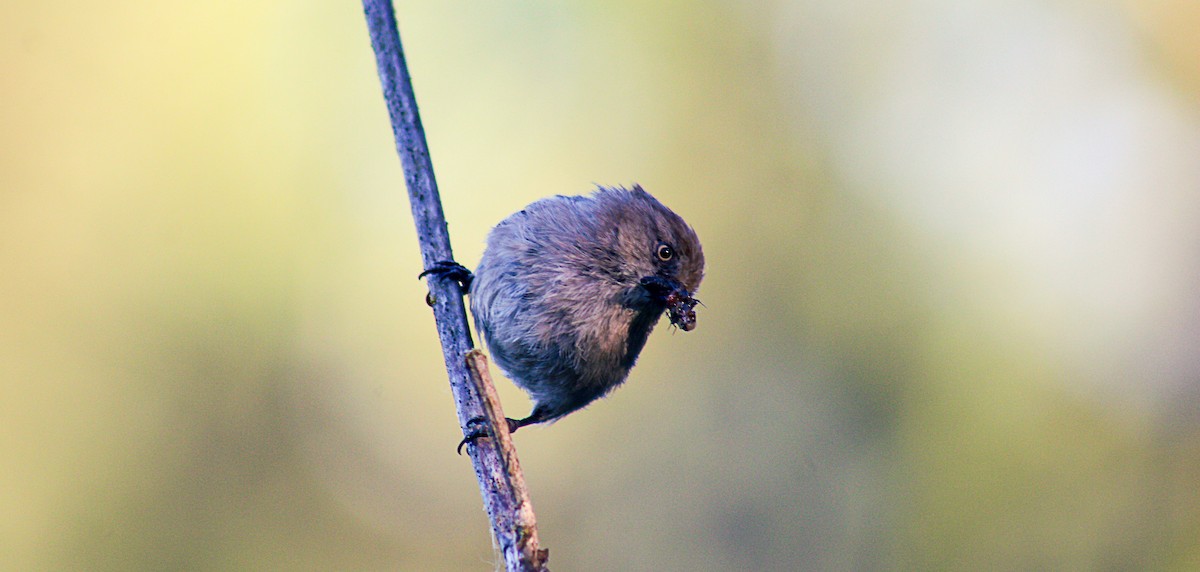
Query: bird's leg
point(452, 270)
point(478, 428)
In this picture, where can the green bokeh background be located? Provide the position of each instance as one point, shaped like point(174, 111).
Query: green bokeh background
point(951, 318)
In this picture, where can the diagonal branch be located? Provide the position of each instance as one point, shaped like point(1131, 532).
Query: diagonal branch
point(514, 527)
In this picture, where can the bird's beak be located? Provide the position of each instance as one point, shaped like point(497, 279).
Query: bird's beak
point(681, 306)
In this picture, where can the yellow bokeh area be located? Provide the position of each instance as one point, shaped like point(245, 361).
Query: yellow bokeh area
point(951, 314)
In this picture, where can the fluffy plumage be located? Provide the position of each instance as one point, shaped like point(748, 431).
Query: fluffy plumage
point(569, 288)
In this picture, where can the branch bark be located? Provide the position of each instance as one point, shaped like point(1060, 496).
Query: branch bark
point(501, 482)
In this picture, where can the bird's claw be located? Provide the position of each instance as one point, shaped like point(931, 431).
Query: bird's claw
point(478, 428)
point(452, 270)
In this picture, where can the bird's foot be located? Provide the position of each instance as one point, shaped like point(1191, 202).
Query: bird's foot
point(452, 270)
point(478, 428)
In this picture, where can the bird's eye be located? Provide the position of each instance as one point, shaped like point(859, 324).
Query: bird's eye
point(665, 252)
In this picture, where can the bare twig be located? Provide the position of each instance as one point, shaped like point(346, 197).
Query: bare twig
point(501, 482)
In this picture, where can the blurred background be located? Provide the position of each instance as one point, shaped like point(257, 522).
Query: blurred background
point(951, 319)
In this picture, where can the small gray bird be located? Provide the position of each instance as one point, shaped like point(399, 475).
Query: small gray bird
point(569, 288)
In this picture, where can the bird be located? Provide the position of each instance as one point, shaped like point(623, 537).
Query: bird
point(569, 288)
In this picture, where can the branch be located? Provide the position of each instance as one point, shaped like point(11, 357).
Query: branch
point(514, 526)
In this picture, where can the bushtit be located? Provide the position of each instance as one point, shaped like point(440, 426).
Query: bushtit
point(569, 288)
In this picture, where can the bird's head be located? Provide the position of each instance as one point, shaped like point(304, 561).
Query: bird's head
point(659, 252)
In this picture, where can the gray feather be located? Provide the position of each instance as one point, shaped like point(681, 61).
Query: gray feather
point(558, 295)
